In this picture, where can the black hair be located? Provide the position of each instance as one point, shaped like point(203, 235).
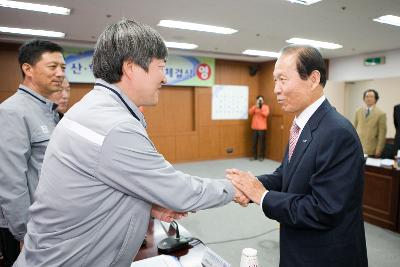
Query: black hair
point(31, 51)
point(375, 94)
point(308, 60)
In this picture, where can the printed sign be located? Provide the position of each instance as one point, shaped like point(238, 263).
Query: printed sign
point(79, 65)
point(180, 70)
point(190, 71)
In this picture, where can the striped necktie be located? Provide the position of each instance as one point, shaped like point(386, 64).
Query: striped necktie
point(294, 135)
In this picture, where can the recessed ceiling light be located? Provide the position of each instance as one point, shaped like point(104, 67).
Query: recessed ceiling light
point(195, 27)
point(314, 43)
point(261, 53)
point(389, 19)
point(180, 45)
point(36, 7)
point(304, 2)
point(32, 32)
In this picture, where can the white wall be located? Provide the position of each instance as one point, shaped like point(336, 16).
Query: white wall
point(389, 96)
point(353, 69)
point(349, 78)
point(334, 92)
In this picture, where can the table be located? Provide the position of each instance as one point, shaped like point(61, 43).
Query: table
point(189, 257)
point(381, 197)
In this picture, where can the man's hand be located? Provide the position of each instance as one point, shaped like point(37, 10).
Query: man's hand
point(247, 183)
point(166, 215)
point(21, 245)
point(240, 198)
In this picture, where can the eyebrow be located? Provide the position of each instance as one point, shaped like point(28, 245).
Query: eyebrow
point(55, 62)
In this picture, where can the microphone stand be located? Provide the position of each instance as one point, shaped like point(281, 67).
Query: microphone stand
point(171, 244)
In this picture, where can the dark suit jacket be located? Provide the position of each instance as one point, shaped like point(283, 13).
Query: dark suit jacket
point(317, 197)
point(396, 119)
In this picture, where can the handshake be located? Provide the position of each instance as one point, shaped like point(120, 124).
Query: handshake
point(247, 187)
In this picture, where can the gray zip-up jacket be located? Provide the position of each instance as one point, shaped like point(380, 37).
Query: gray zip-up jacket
point(27, 120)
point(100, 176)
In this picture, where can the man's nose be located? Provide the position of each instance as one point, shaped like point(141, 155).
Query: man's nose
point(164, 80)
point(277, 89)
point(60, 71)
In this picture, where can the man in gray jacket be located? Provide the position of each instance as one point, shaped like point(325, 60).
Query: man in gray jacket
point(102, 176)
point(27, 120)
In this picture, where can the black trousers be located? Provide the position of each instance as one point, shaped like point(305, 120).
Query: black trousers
point(396, 141)
point(259, 140)
point(9, 247)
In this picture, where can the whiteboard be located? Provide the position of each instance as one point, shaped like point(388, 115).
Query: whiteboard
point(230, 102)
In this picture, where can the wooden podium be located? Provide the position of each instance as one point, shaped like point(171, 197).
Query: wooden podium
point(381, 197)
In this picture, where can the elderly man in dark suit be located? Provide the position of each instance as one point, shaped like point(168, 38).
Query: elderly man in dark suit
point(316, 193)
point(396, 120)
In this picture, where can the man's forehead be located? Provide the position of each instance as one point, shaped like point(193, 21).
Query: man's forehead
point(370, 93)
point(52, 57)
point(284, 63)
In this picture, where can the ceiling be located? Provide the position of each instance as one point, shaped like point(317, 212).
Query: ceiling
point(261, 24)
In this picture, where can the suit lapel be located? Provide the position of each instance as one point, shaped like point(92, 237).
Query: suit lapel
point(301, 146)
point(302, 143)
point(285, 169)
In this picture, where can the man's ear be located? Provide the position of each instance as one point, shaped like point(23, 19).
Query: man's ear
point(315, 78)
point(130, 69)
point(27, 69)
point(127, 68)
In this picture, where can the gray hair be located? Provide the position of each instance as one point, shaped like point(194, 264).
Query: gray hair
point(126, 40)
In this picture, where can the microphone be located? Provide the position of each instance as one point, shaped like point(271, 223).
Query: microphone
point(171, 244)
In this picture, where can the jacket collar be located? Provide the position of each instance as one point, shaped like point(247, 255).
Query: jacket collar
point(102, 85)
point(49, 105)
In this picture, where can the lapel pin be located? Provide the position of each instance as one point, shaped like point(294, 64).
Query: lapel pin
point(305, 140)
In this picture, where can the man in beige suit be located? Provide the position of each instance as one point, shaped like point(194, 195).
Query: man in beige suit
point(370, 123)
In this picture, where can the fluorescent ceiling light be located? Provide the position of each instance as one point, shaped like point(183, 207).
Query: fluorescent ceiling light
point(180, 45)
point(32, 32)
point(195, 27)
point(35, 7)
point(389, 19)
point(261, 53)
point(304, 2)
point(314, 43)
